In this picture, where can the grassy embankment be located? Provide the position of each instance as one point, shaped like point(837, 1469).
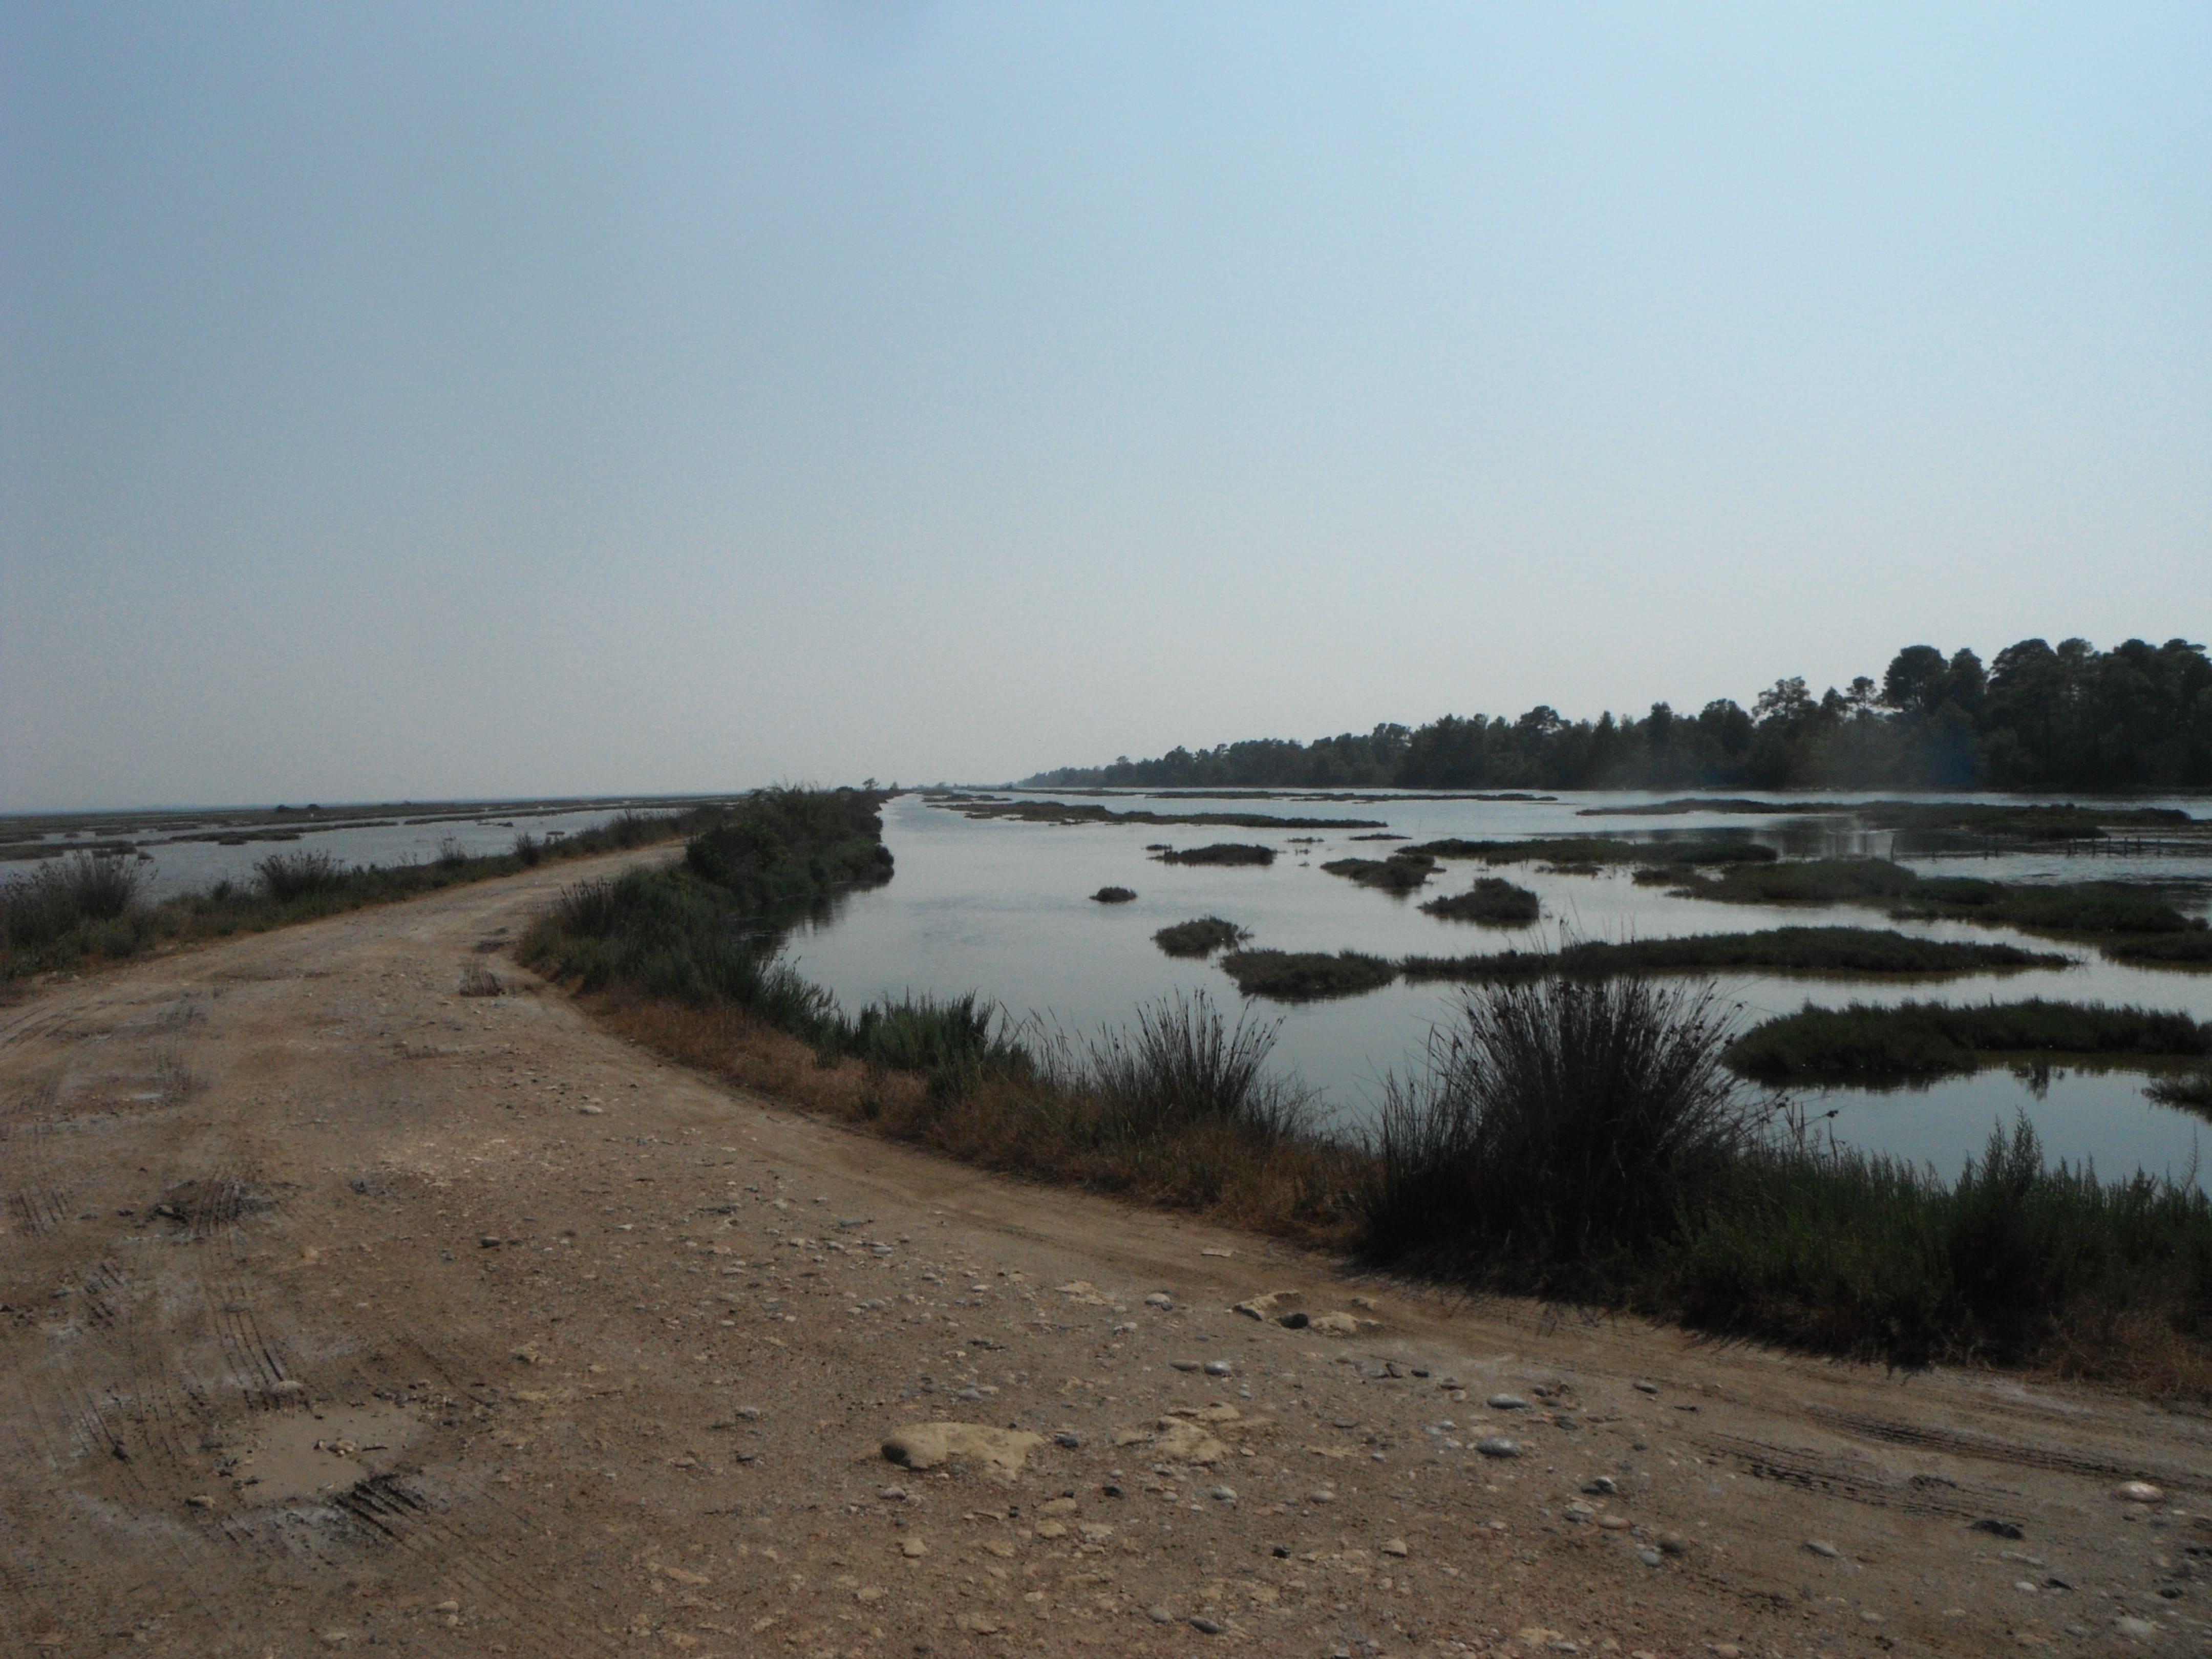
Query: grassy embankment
point(1179, 1110)
point(1917, 1041)
point(86, 910)
point(1853, 953)
point(1572, 1139)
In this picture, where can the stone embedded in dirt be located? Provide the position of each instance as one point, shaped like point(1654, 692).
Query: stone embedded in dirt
point(914, 1549)
point(1642, 1387)
point(1601, 1485)
point(2002, 1529)
point(1821, 1547)
point(1394, 1546)
point(1216, 1368)
point(1184, 1365)
point(999, 1453)
point(1223, 1494)
point(1506, 1402)
point(1067, 1441)
point(1322, 1495)
point(1498, 1445)
point(1334, 1324)
point(2137, 1491)
point(1181, 1441)
point(1649, 1558)
point(1295, 1321)
point(2138, 1630)
point(1615, 1522)
point(1672, 1543)
point(1159, 1615)
point(1159, 1299)
point(1206, 1626)
point(1579, 1511)
point(1271, 1305)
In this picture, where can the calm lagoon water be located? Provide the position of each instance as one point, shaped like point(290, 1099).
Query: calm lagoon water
point(1003, 908)
point(180, 853)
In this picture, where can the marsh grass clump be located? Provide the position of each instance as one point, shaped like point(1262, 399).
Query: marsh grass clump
point(1916, 1041)
point(1221, 852)
point(2016, 1262)
point(1850, 952)
point(1306, 975)
point(954, 1044)
point(1183, 1066)
point(70, 892)
point(1562, 1127)
point(1201, 937)
point(1576, 851)
point(303, 874)
point(1401, 873)
point(1492, 901)
point(2191, 949)
point(1114, 895)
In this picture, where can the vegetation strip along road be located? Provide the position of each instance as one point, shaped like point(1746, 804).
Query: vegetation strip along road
point(1569, 1138)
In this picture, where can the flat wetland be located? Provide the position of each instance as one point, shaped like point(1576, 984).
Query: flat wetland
point(1002, 906)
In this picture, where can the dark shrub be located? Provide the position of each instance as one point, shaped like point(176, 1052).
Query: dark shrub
point(285, 876)
point(1201, 938)
point(1562, 1125)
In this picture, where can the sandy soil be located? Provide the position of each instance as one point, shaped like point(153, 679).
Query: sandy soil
point(341, 1312)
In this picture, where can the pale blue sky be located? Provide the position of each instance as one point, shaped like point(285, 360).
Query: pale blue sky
point(409, 401)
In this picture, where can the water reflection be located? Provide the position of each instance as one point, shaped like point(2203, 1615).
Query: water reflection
point(1005, 907)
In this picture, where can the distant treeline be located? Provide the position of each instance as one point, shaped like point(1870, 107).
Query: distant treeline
point(2138, 716)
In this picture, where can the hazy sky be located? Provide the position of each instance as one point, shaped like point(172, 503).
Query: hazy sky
point(423, 400)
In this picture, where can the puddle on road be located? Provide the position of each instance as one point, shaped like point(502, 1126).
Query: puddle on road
point(300, 1455)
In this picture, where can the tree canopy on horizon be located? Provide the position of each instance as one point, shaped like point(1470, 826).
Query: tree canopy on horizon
point(2040, 717)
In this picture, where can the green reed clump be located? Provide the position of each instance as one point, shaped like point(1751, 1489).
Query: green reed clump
point(1598, 849)
point(2190, 950)
point(1582, 1139)
point(1182, 1065)
point(285, 876)
point(1492, 901)
point(75, 892)
point(1219, 851)
point(2015, 1262)
point(1561, 1127)
point(1306, 975)
point(1855, 952)
point(1916, 1040)
point(1200, 937)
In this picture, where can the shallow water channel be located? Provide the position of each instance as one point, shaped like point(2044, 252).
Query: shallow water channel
point(1003, 907)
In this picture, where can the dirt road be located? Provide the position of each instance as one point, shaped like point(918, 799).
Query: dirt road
point(341, 1312)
